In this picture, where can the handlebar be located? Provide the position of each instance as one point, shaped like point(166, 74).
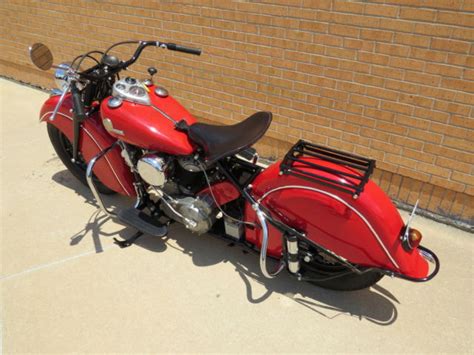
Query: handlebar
point(189, 50)
point(171, 46)
point(113, 69)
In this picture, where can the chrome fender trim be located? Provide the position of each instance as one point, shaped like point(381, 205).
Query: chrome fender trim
point(337, 198)
point(96, 143)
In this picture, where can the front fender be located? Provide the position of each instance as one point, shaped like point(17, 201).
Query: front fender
point(366, 231)
point(112, 170)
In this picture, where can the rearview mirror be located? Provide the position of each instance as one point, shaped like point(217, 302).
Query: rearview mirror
point(41, 56)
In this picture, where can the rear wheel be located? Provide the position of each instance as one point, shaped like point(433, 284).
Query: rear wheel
point(328, 273)
point(63, 147)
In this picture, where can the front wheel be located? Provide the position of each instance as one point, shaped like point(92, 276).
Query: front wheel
point(63, 147)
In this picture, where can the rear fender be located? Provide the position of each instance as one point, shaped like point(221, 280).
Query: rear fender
point(112, 170)
point(366, 231)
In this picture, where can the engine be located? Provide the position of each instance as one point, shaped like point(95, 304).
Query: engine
point(173, 185)
point(197, 214)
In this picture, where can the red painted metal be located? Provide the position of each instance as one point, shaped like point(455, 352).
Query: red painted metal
point(111, 170)
point(145, 127)
point(224, 192)
point(332, 224)
point(324, 219)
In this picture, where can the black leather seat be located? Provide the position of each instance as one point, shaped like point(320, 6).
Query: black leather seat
point(221, 141)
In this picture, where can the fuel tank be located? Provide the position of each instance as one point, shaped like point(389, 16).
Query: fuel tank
point(151, 126)
point(365, 231)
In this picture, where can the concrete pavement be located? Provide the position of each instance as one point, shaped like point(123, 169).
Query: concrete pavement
point(67, 288)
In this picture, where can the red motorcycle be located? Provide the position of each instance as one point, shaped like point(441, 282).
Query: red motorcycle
point(315, 212)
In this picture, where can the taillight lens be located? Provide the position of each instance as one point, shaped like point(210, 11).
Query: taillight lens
point(412, 239)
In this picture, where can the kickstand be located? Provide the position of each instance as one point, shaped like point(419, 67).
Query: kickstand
point(127, 242)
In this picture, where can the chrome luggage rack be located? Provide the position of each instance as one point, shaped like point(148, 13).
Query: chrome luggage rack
point(293, 164)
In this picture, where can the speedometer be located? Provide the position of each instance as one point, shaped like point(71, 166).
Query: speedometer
point(137, 91)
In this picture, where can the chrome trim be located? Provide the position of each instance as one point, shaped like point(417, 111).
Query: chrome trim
point(55, 92)
point(62, 74)
point(161, 92)
point(109, 126)
point(427, 256)
point(98, 146)
point(164, 114)
point(90, 181)
point(263, 249)
point(152, 169)
point(337, 198)
point(123, 87)
point(59, 104)
point(405, 237)
point(114, 102)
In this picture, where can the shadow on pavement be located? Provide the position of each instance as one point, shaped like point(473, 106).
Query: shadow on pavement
point(375, 304)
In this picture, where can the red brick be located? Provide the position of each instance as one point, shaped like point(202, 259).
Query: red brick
point(406, 142)
point(345, 6)
point(401, 86)
point(397, 107)
point(376, 35)
point(373, 58)
point(441, 69)
point(412, 40)
point(450, 45)
point(461, 144)
point(466, 122)
point(457, 84)
point(343, 30)
point(433, 29)
point(393, 50)
point(381, 10)
point(416, 13)
point(406, 63)
point(313, 26)
point(453, 165)
point(456, 18)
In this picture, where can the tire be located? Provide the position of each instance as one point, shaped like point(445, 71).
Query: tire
point(347, 281)
point(63, 147)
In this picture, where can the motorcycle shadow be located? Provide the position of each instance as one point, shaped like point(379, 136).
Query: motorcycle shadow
point(376, 304)
point(97, 219)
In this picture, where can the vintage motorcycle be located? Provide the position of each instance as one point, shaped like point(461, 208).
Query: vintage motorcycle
point(315, 213)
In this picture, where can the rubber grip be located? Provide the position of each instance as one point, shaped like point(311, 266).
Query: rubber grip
point(178, 48)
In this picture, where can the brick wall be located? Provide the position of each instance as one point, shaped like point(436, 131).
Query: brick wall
point(390, 79)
